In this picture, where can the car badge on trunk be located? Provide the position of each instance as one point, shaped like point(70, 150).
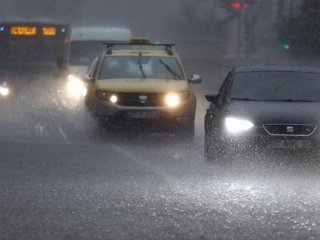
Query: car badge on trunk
point(290, 129)
point(143, 99)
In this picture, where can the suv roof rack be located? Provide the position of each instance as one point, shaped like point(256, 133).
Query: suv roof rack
point(168, 46)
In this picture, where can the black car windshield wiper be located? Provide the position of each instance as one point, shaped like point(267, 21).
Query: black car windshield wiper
point(244, 99)
point(287, 100)
point(170, 70)
point(273, 100)
point(141, 69)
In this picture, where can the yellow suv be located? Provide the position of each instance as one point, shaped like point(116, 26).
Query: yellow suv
point(141, 80)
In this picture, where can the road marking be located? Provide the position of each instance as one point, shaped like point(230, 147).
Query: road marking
point(62, 133)
point(166, 176)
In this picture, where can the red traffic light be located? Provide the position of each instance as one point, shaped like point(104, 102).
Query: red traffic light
point(237, 5)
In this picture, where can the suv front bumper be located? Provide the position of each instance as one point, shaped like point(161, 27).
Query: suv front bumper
point(106, 109)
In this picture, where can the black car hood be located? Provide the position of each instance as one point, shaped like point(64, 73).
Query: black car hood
point(275, 112)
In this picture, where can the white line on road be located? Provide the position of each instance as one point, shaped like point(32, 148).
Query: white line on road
point(165, 175)
point(62, 132)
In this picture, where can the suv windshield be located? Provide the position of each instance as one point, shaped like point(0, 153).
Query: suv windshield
point(140, 67)
point(276, 86)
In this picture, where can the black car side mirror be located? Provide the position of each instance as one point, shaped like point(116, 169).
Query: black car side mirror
point(213, 98)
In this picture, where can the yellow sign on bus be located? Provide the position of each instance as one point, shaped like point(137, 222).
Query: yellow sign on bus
point(23, 31)
point(49, 31)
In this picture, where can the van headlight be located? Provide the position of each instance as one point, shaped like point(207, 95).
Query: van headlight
point(4, 91)
point(76, 87)
point(237, 125)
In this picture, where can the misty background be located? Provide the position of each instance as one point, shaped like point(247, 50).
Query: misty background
point(226, 33)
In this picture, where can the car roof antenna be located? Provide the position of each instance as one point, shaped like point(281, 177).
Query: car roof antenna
point(109, 49)
point(169, 50)
point(143, 35)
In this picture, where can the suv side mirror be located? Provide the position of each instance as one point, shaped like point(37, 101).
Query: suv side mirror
point(86, 77)
point(195, 78)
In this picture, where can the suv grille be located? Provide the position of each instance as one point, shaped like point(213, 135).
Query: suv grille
point(289, 129)
point(141, 99)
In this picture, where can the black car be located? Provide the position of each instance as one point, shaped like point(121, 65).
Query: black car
point(260, 107)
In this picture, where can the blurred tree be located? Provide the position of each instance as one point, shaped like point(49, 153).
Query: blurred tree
point(300, 33)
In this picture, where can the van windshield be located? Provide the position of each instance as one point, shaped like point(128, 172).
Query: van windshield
point(83, 52)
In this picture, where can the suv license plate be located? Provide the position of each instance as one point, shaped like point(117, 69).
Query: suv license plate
point(291, 144)
point(143, 115)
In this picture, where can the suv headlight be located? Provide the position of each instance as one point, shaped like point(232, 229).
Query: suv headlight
point(102, 95)
point(237, 125)
point(106, 96)
point(174, 99)
point(113, 98)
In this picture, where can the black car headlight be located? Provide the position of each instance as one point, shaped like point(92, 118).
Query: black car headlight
point(237, 125)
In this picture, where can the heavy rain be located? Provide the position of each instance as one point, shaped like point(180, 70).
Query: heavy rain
point(66, 175)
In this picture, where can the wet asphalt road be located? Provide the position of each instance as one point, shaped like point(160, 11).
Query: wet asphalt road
point(62, 178)
point(144, 188)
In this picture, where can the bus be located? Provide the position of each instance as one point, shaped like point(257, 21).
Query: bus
point(86, 43)
point(33, 44)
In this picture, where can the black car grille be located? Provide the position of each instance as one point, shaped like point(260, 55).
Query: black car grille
point(141, 99)
point(290, 129)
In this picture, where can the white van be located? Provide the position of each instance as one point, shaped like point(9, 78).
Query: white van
point(87, 42)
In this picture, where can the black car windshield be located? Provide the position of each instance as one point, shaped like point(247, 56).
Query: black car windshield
point(140, 67)
point(276, 86)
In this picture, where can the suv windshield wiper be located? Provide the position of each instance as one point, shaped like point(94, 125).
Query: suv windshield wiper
point(170, 70)
point(141, 69)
